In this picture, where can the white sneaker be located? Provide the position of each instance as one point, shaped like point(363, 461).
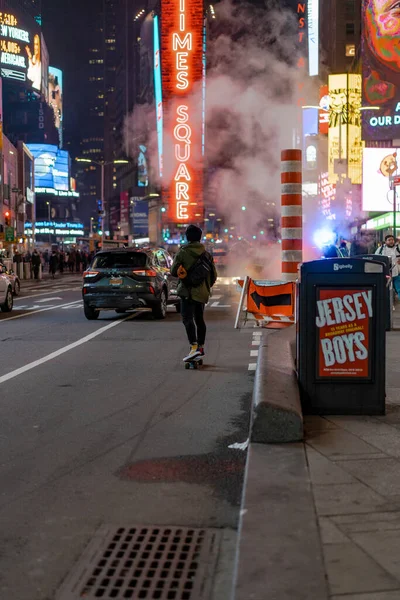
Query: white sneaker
point(194, 352)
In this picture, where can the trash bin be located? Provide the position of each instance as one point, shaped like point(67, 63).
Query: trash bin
point(341, 330)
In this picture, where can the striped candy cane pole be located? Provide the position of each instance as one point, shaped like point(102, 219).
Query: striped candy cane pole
point(292, 216)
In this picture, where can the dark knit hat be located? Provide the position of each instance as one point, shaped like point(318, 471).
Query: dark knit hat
point(193, 233)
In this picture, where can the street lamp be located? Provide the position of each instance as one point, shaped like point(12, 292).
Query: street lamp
point(103, 164)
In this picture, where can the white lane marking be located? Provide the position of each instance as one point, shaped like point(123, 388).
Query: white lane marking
point(218, 305)
point(256, 343)
point(27, 314)
point(252, 367)
point(253, 352)
point(57, 353)
point(216, 297)
point(48, 299)
point(79, 305)
point(240, 446)
point(22, 297)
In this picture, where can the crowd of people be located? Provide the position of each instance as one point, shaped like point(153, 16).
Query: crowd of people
point(73, 261)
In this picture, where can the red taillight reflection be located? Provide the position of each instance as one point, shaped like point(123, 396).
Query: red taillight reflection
point(90, 273)
point(152, 290)
point(145, 272)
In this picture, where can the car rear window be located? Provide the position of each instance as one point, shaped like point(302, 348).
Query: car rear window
point(120, 260)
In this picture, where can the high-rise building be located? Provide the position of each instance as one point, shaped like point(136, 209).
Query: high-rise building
point(340, 34)
point(97, 133)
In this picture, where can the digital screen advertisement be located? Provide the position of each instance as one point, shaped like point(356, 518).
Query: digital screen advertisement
point(343, 321)
point(51, 167)
point(344, 134)
point(21, 49)
point(378, 165)
point(158, 92)
point(56, 98)
point(381, 70)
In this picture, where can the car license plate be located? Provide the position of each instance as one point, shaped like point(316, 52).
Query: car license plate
point(116, 280)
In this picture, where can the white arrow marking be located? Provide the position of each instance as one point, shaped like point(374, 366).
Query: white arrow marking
point(238, 446)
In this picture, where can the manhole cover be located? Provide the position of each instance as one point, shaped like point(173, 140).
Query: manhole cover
point(169, 563)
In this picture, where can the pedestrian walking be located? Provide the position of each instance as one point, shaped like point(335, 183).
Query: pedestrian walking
point(84, 261)
point(61, 262)
point(53, 264)
point(71, 261)
point(197, 274)
point(78, 261)
point(36, 262)
point(391, 249)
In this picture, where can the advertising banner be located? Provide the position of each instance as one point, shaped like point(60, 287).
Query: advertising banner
point(181, 69)
point(378, 165)
point(380, 70)
point(20, 49)
point(124, 213)
point(344, 136)
point(51, 167)
point(140, 217)
point(158, 92)
point(343, 324)
point(56, 99)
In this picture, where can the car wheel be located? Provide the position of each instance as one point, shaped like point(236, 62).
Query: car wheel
point(160, 311)
point(178, 307)
point(90, 313)
point(17, 288)
point(9, 302)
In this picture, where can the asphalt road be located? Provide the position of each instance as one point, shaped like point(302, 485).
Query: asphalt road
point(101, 424)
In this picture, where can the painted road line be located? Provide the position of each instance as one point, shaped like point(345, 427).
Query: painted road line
point(48, 300)
point(253, 352)
point(78, 305)
point(218, 305)
point(255, 342)
point(22, 297)
point(61, 351)
point(252, 367)
point(35, 312)
point(216, 297)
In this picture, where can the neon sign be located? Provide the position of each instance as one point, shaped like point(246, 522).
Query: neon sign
point(182, 67)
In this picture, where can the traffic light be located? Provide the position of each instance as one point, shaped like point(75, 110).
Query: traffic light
point(7, 218)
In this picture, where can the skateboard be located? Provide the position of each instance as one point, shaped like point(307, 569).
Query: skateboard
point(194, 363)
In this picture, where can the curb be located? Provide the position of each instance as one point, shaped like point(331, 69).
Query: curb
point(277, 416)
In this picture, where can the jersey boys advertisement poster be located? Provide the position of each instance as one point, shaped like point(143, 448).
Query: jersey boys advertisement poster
point(343, 320)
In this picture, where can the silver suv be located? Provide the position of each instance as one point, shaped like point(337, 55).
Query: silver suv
point(6, 292)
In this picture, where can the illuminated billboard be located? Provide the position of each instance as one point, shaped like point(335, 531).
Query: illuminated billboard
point(313, 37)
point(378, 165)
point(51, 167)
point(182, 68)
point(56, 98)
point(21, 49)
point(344, 135)
point(381, 70)
point(158, 92)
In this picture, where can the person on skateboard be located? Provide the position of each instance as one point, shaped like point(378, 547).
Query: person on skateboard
point(195, 268)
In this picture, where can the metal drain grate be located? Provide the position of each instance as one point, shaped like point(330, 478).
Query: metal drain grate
point(168, 563)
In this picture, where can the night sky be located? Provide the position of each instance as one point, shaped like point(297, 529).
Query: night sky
point(66, 26)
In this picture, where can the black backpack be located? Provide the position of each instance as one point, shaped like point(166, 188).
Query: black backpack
point(200, 271)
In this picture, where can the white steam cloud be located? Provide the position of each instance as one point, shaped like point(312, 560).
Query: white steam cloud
point(251, 111)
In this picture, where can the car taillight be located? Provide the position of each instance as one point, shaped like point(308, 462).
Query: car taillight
point(90, 273)
point(145, 273)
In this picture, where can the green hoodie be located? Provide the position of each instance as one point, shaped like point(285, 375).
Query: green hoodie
point(187, 256)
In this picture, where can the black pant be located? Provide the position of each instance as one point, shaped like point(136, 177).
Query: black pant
point(193, 319)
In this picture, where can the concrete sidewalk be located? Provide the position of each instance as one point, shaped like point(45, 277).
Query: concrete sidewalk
point(323, 517)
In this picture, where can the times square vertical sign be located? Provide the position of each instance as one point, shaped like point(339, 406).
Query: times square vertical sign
point(181, 68)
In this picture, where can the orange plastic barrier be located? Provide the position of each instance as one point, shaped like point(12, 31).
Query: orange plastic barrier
point(272, 306)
